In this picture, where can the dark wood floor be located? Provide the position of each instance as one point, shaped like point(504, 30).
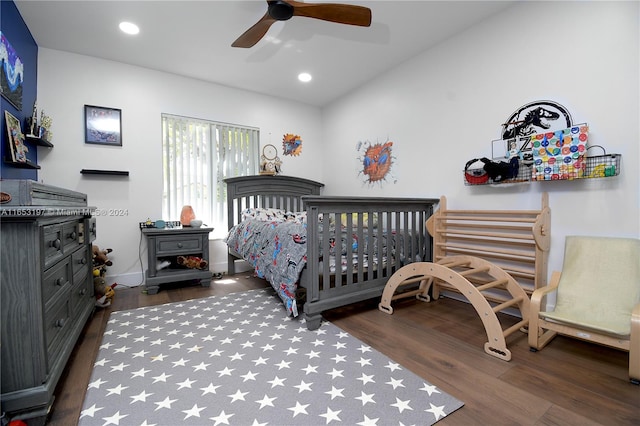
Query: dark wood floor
point(568, 383)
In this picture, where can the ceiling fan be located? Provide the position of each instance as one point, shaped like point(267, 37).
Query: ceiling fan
point(283, 10)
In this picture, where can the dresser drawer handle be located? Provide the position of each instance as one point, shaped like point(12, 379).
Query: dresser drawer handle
point(82, 261)
point(60, 323)
point(55, 243)
point(60, 281)
point(73, 235)
point(83, 292)
point(179, 245)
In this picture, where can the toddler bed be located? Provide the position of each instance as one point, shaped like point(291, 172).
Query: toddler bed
point(320, 251)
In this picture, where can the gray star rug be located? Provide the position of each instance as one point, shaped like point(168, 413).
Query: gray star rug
point(241, 360)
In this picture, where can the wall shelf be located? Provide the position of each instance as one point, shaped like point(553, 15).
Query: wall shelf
point(38, 141)
point(594, 167)
point(22, 165)
point(104, 172)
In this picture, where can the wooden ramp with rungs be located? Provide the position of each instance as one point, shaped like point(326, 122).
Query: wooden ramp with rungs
point(457, 271)
point(517, 241)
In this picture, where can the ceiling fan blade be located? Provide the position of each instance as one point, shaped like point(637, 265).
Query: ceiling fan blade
point(340, 13)
point(254, 34)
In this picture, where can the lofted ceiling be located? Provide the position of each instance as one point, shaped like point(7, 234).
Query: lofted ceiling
point(193, 39)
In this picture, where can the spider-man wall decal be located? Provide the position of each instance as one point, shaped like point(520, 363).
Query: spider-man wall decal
point(291, 144)
point(377, 161)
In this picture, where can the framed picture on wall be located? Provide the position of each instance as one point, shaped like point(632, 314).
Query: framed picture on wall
point(16, 138)
point(102, 126)
point(11, 88)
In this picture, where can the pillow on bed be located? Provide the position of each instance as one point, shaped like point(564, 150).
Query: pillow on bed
point(297, 217)
point(264, 214)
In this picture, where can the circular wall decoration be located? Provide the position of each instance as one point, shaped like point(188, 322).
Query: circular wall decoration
point(530, 119)
point(291, 144)
point(536, 117)
point(269, 161)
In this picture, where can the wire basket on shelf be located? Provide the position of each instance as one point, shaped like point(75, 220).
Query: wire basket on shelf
point(599, 166)
point(476, 175)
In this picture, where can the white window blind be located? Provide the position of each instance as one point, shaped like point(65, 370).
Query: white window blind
point(196, 156)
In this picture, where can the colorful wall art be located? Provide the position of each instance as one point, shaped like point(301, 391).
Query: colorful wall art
point(560, 155)
point(291, 144)
point(16, 139)
point(12, 73)
point(377, 161)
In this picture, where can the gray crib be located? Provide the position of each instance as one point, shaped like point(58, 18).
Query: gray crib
point(395, 228)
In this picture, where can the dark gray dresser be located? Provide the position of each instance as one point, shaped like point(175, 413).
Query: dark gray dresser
point(46, 286)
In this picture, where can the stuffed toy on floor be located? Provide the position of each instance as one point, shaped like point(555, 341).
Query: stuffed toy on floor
point(100, 256)
point(104, 294)
point(193, 262)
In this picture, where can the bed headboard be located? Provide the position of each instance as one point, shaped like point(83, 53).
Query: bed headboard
point(280, 192)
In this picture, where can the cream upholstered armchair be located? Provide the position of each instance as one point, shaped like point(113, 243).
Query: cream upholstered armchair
point(597, 297)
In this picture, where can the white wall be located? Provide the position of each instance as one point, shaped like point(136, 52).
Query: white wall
point(440, 109)
point(444, 107)
point(66, 82)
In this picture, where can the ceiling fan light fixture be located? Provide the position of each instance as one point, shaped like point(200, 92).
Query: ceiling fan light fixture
point(304, 77)
point(129, 28)
point(280, 10)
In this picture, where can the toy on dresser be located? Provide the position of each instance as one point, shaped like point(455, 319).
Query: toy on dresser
point(103, 292)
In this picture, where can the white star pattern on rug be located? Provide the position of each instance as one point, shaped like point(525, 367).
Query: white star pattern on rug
point(240, 360)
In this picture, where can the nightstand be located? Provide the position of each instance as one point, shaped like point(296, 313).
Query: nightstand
point(167, 244)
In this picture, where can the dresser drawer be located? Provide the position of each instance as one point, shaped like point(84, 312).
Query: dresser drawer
point(52, 244)
point(57, 318)
point(79, 260)
point(92, 231)
point(179, 244)
point(56, 279)
point(70, 235)
point(81, 291)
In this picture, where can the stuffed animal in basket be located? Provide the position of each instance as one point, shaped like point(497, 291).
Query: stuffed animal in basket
point(193, 262)
point(103, 292)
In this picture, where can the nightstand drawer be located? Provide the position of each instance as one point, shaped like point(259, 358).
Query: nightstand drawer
point(52, 244)
point(55, 279)
point(182, 244)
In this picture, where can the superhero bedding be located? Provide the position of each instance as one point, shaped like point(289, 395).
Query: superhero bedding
point(274, 242)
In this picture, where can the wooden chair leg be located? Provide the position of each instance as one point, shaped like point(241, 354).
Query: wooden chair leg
point(538, 338)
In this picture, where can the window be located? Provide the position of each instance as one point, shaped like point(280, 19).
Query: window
point(196, 156)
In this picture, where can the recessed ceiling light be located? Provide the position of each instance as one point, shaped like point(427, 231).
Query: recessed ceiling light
point(304, 77)
point(129, 28)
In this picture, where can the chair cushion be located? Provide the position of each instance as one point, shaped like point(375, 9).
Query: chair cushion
point(600, 284)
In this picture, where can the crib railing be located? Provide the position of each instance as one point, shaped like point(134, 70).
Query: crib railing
point(376, 237)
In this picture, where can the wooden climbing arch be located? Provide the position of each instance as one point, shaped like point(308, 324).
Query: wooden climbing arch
point(455, 270)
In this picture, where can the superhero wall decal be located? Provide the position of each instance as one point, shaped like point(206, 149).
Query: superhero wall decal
point(376, 162)
point(291, 144)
